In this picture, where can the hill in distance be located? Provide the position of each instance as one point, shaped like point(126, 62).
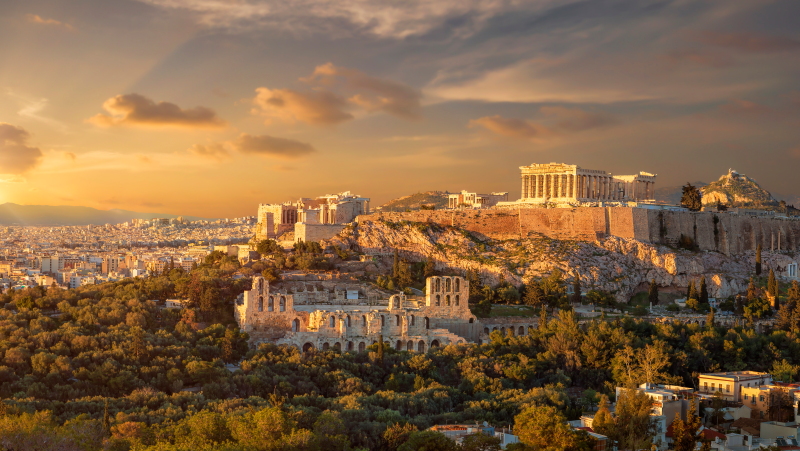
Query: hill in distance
point(738, 190)
point(672, 194)
point(415, 201)
point(51, 215)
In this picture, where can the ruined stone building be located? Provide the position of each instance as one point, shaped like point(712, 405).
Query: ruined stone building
point(565, 183)
point(352, 318)
point(341, 208)
point(475, 200)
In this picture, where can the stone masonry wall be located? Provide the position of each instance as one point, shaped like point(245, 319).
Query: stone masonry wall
point(724, 232)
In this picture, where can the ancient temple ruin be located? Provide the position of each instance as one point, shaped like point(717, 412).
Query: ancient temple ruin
point(566, 183)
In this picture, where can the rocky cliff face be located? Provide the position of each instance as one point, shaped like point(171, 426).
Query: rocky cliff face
point(617, 265)
point(737, 190)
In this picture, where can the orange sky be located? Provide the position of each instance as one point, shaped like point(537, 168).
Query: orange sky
point(208, 108)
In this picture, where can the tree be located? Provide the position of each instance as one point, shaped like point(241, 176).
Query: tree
point(686, 434)
point(576, 290)
point(429, 270)
point(691, 292)
point(652, 294)
point(482, 309)
point(691, 198)
point(758, 259)
point(703, 295)
point(752, 291)
point(534, 296)
point(773, 288)
point(710, 318)
point(428, 441)
point(783, 371)
point(480, 442)
point(544, 427)
point(397, 434)
point(634, 425)
point(603, 421)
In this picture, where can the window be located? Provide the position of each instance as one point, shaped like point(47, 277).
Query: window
point(412, 320)
point(761, 398)
point(705, 386)
point(746, 397)
point(397, 317)
point(283, 304)
point(383, 320)
point(261, 304)
point(332, 321)
point(270, 304)
point(712, 386)
point(457, 299)
point(728, 388)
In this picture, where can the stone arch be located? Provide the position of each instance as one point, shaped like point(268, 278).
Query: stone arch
point(486, 330)
point(325, 346)
point(448, 285)
point(447, 300)
point(427, 323)
point(282, 304)
point(350, 346)
point(521, 330)
point(435, 344)
point(383, 320)
point(347, 320)
point(511, 331)
point(364, 321)
point(494, 329)
point(410, 345)
point(458, 286)
point(438, 284)
point(399, 346)
point(457, 299)
point(438, 300)
point(337, 347)
point(296, 325)
point(362, 347)
point(261, 303)
point(471, 320)
point(331, 321)
point(397, 320)
point(413, 320)
point(271, 304)
point(503, 330)
point(308, 347)
point(421, 346)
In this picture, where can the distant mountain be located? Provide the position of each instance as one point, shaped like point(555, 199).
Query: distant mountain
point(51, 215)
point(414, 201)
point(672, 194)
point(738, 190)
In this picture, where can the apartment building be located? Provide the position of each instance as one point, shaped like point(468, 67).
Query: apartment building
point(730, 384)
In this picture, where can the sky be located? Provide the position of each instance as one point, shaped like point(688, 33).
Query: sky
point(210, 107)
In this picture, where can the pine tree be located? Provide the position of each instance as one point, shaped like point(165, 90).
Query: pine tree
point(430, 268)
point(785, 317)
point(703, 291)
point(758, 259)
point(543, 318)
point(691, 198)
point(686, 434)
point(106, 418)
point(603, 422)
point(652, 295)
point(794, 292)
point(534, 296)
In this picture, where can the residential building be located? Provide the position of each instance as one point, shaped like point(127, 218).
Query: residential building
point(466, 199)
point(729, 384)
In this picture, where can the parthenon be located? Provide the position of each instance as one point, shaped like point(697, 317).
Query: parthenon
point(565, 183)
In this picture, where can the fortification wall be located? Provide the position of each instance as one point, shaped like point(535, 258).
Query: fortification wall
point(724, 232)
point(316, 232)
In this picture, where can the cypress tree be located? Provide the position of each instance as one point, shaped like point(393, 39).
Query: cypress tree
point(758, 260)
point(752, 292)
point(703, 291)
point(690, 290)
point(380, 349)
point(772, 283)
point(710, 318)
point(576, 290)
point(652, 295)
point(106, 418)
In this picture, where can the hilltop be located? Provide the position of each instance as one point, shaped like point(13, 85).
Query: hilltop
point(52, 215)
point(414, 201)
point(738, 190)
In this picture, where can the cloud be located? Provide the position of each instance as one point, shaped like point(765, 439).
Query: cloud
point(749, 42)
point(271, 146)
point(33, 18)
point(562, 120)
point(739, 106)
point(795, 152)
point(335, 92)
point(16, 157)
point(375, 94)
point(315, 107)
point(138, 110)
point(396, 20)
point(214, 151)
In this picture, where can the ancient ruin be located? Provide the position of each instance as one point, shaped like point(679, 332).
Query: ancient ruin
point(350, 318)
point(568, 183)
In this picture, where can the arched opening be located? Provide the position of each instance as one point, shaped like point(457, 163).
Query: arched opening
point(434, 343)
point(397, 319)
point(347, 320)
point(332, 321)
point(486, 330)
point(511, 331)
point(396, 304)
point(457, 300)
point(261, 303)
point(521, 330)
point(412, 320)
point(326, 346)
point(383, 320)
point(494, 329)
point(362, 346)
point(308, 347)
point(427, 323)
point(447, 300)
point(458, 286)
point(421, 346)
point(364, 321)
point(410, 346)
point(296, 325)
point(438, 300)
point(447, 285)
point(399, 346)
point(337, 346)
point(503, 330)
point(283, 304)
point(471, 320)
point(350, 346)
point(271, 304)
point(480, 342)
point(438, 284)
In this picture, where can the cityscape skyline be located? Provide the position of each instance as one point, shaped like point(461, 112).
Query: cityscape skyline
point(208, 109)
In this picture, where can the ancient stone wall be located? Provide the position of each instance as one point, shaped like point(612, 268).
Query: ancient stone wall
point(316, 232)
point(724, 232)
